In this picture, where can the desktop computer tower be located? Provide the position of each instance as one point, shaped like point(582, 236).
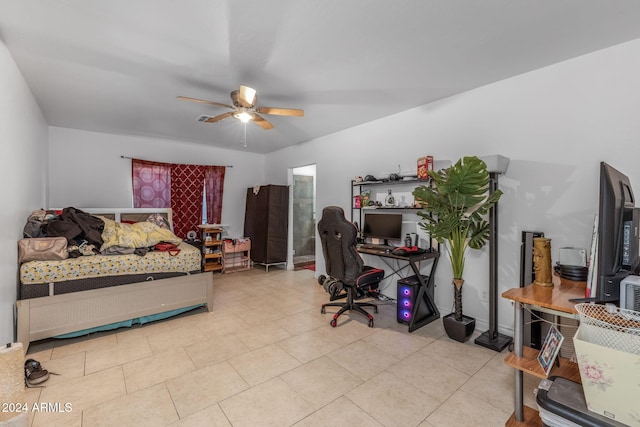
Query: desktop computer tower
point(407, 297)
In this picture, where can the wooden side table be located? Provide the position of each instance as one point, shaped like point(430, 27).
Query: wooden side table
point(212, 249)
point(553, 300)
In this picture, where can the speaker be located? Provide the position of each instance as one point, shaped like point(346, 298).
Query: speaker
point(532, 331)
point(407, 290)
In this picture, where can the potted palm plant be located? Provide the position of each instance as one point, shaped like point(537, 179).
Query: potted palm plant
point(454, 211)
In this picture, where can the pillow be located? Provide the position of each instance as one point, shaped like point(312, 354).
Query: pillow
point(159, 220)
point(138, 235)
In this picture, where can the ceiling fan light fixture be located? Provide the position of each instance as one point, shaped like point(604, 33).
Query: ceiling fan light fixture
point(243, 116)
point(244, 109)
point(248, 93)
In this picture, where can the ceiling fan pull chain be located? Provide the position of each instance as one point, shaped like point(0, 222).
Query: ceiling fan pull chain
point(245, 135)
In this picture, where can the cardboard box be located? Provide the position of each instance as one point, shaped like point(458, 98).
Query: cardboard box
point(610, 377)
point(425, 167)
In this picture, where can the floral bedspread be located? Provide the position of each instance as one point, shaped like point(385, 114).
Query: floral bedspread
point(85, 267)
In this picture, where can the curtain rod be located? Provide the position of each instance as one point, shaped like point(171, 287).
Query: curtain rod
point(125, 157)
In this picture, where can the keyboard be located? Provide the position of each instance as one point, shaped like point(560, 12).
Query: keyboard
point(371, 246)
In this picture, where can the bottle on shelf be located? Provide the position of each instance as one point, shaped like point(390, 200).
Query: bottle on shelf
point(389, 200)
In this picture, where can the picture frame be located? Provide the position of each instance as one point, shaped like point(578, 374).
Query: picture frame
point(550, 349)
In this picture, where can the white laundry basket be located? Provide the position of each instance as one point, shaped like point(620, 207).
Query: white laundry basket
point(607, 346)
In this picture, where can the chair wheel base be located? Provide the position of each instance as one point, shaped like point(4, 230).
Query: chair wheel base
point(349, 307)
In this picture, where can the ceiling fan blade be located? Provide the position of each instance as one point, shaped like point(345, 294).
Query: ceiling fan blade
point(260, 121)
point(280, 111)
point(248, 95)
point(217, 118)
point(202, 101)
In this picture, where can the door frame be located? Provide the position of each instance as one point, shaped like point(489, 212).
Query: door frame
point(309, 169)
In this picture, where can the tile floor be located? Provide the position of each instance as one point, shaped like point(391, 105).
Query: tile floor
point(265, 356)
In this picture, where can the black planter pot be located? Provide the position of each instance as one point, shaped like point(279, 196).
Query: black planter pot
point(459, 330)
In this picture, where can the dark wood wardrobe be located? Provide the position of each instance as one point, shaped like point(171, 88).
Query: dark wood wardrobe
point(266, 223)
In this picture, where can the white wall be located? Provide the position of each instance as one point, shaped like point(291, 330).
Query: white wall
point(555, 124)
point(23, 173)
point(86, 170)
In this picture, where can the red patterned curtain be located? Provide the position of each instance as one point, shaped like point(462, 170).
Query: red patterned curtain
point(214, 184)
point(186, 197)
point(151, 184)
point(179, 186)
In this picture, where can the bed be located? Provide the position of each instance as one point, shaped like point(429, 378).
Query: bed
point(62, 297)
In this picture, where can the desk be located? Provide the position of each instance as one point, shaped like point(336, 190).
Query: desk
point(425, 305)
point(554, 300)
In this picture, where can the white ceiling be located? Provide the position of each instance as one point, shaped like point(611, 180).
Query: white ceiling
point(116, 66)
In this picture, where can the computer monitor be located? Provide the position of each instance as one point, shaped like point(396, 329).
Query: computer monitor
point(385, 226)
point(615, 205)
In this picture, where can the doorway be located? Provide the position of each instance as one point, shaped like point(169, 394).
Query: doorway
point(304, 217)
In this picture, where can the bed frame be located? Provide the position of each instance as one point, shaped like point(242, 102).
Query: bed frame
point(46, 317)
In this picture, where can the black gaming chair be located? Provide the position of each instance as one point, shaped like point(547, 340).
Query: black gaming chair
point(344, 264)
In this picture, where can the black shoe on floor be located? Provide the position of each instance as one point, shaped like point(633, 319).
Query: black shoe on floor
point(34, 373)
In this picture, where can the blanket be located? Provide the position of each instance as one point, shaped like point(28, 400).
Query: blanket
point(76, 226)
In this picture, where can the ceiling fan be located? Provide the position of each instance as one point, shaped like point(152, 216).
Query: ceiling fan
point(245, 109)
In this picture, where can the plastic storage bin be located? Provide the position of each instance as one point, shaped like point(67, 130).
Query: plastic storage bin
point(561, 403)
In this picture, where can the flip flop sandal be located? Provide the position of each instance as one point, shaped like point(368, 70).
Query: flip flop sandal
point(34, 373)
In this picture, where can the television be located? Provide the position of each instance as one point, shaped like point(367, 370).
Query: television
point(616, 209)
point(386, 226)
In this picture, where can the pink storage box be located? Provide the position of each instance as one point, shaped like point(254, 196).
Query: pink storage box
point(237, 245)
